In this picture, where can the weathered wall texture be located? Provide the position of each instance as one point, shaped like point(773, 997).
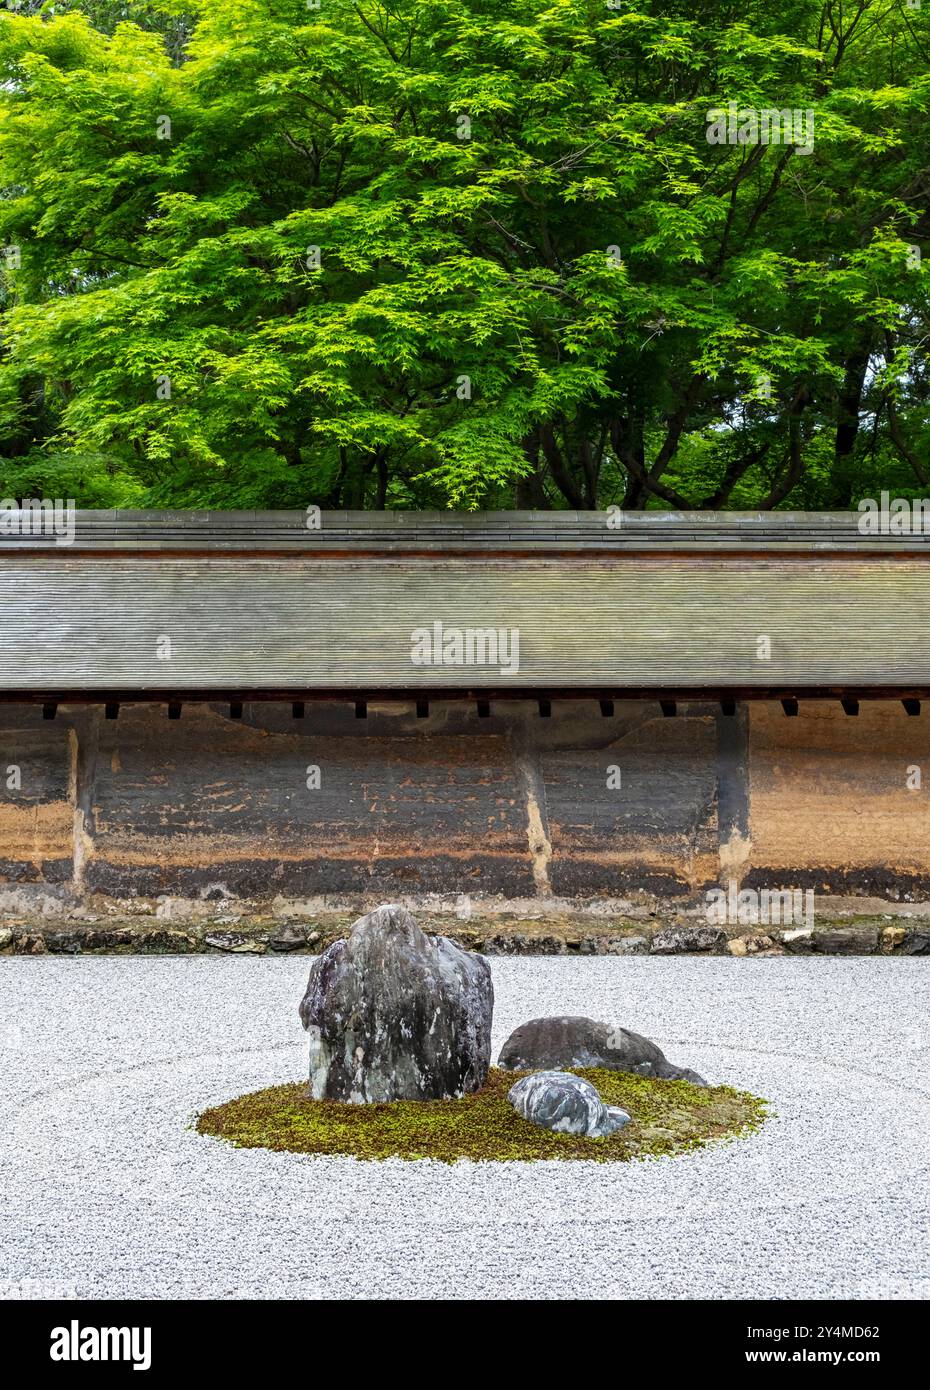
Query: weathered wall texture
point(514, 805)
point(37, 815)
point(830, 800)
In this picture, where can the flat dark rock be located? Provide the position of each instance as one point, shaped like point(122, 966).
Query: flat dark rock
point(557, 1043)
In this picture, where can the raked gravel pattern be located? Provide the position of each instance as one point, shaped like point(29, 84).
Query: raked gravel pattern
point(108, 1192)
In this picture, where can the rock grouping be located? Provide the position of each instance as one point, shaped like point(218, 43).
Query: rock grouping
point(394, 1014)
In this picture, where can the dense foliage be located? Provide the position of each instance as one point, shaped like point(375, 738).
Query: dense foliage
point(371, 253)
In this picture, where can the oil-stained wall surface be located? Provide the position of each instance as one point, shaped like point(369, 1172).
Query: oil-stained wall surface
point(574, 805)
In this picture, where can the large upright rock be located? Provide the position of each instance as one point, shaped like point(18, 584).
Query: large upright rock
point(394, 1014)
point(547, 1043)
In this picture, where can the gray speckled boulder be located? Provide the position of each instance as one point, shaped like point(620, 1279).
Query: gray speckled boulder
point(568, 1104)
point(394, 1014)
point(581, 1042)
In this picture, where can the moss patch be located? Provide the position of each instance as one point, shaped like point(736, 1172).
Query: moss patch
point(667, 1117)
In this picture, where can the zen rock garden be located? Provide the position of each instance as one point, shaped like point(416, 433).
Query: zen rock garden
point(394, 1014)
point(400, 1065)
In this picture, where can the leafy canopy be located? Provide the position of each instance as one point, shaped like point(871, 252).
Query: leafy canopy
point(462, 253)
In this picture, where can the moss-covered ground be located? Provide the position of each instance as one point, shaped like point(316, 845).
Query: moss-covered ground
point(667, 1117)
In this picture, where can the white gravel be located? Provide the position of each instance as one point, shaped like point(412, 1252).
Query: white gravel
point(108, 1193)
